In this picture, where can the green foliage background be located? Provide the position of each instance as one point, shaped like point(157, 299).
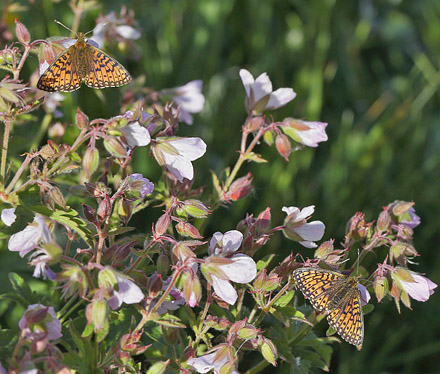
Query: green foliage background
point(368, 68)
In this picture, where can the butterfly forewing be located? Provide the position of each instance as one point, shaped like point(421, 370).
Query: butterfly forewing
point(318, 286)
point(338, 296)
point(83, 61)
point(61, 75)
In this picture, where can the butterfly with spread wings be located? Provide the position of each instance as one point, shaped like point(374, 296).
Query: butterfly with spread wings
point(83, 61)
point(337, 295)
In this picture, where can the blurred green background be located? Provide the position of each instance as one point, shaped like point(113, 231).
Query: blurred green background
point(368, 68)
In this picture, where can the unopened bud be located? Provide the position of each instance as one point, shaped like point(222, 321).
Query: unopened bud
point(89, 213)
point(155, 285)
point(96, 313)
point(195, 208)
point(324, 249)
point(104, 209)
point(240, 188)
point(283, 146)
point(162, 224)
point(384, 220)
point(254, 124)
point(22, 32)
point(380, 285)
point(114, 147)
point(260, 280)
point(90, 161)
point(81, 120)
point(269, 351)
point(186, 229)
point(57, 196)
point(163, 264)
point(263, 221)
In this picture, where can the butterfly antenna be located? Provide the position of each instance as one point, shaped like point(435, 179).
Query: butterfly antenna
point(62, 24)
point(98, 26)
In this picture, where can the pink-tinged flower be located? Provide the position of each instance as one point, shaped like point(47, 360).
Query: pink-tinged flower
point(259, 93)
point(208, 362)
point(177, 153)
point(223, 265)
point(189, 97)
point(365, 295)
point(114, 28)
point(136, 135)
point(305, 132)
point(127, 292)
point(39, 322)
point(28, 239)
point(298, 229)
point(417, 286)
point(8, 216)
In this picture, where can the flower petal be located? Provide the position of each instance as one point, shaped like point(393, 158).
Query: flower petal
point(190, 148)
point(128, 32)
point(306, 212)
point(280, 97)
point(247, 80)
point(8, 216)
point(224, 290)
point(242, 270)
point(231, 241)
point(136, 135)
point(311, 231)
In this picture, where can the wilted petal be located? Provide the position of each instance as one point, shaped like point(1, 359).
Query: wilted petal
point(224, 290)
point(8, 216)
point(280, 97)
point(242, 270)
point(136, 135)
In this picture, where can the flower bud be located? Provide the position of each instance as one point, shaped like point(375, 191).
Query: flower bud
point(81, 120)
point(283, 146)
point(248, 332)
point(107, 278)
point(90, 161)
point(22, 32)
point(155, 285)
point(114, 147)
point(97, 314)
point(272, 282)
point(240, 188)
point(380, 286)
point(194, 208)
point(254, 124)
point(89, 213)
point(158, 367)
point(104, 209)
point(260, 280)
point(192, 290)
point(263, 221)
point(163, 264)
point(162, 224)
point(383, 221)
point(186, 229)
point(268, 350)
point(130, 343)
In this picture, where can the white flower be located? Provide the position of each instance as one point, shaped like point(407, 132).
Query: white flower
point(365, 295)
point(259, 93)
point(128, 292)
point(136, 135)
point(190, 99)
point(8, 216)
point(297, 228)
point(28, 239)
point(220, 268)
point(305, 132)
point(177, 153)
point(420, 289)
point(205, 363)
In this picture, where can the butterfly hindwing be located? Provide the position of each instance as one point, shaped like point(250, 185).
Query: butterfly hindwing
point(104, 71)
point(338, 296)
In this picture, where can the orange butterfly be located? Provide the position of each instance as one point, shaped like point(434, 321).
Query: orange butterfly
point(83, 61)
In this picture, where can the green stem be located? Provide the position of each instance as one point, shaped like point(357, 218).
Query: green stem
point(18, 173)
point(69, 312)
point(42, 130)
point(8, 124)
point(258, 367)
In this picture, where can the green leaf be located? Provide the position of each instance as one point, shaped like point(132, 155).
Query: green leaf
point(21, 289)
point(68, 218)
point(264, 262)
point(285, 299)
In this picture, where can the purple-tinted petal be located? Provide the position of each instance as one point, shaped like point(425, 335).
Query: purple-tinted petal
point(247, 79)
point(312, 231)
point(306, 212)
point(136, 135)
point(420, 289)
point(8, 216)
point(365, 295)
point(128, 32)
point(290, 209)
point(242, 270)
point(24, 241)
point(279, 98)
point(231, 241)
point(224, 290)
point(129, 291)
point(261, 88)
point(314, 135)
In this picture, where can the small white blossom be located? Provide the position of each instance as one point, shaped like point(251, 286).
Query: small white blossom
point(28, 239)
point(136, 135)
point(8, 216)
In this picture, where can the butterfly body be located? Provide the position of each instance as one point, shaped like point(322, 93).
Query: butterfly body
point(83, 61)
point(338, 296)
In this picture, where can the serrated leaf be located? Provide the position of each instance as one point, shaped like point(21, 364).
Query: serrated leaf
point(70, 218)
point(21, 288)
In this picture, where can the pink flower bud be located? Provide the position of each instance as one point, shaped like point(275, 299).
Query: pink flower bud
point(240, 188)
point(89, 213)
point(263, 221)
point(283, 146)
point(114, 147)
point(163, 264)
point(155, 285)
point(22, 32)
point(162, 224)
point(186, 229)
point(380, 285)
point(81, 120)
point(254, 124)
